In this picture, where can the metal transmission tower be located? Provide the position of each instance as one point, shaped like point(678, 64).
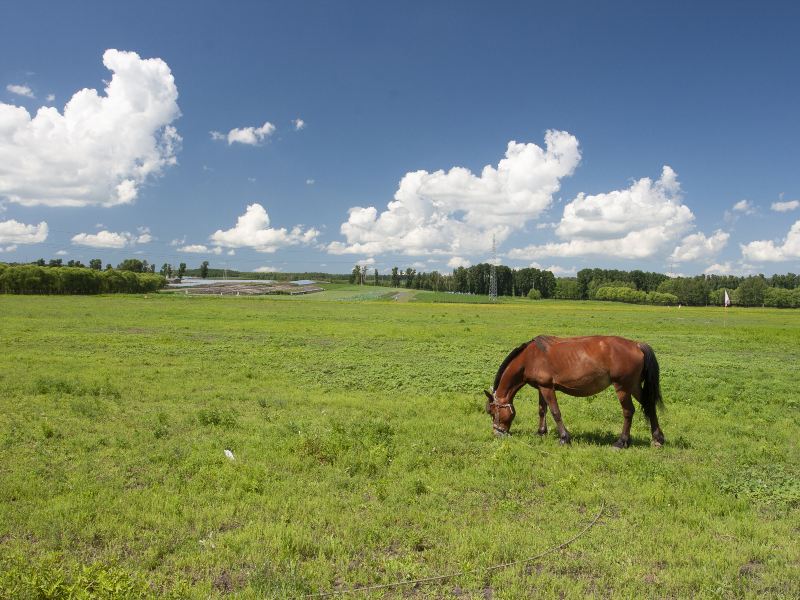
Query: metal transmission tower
point(493, 274)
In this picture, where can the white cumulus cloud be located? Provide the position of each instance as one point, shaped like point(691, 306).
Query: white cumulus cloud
point(744, 206)
point(298, 124)
point(10, 248)
point(699, 247)
point(20, 90)
point(457, 261)
point(636, 222)
point(251, 136)
point(555, 269)
point(267, 269)
point(14, 232)
point(252, 230)
point(785, 206)
point(457, 211)
point(769, 251)
point(102, 149)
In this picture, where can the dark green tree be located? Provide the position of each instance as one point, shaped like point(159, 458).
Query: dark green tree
point(204, 269)
point(355, 275)
point(181, 270)
point(96, 264)
point(410, 277)
point(132, 264)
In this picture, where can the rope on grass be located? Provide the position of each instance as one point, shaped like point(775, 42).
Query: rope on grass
point(383, 586)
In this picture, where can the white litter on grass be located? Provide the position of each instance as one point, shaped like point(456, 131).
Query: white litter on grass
point(229, 454)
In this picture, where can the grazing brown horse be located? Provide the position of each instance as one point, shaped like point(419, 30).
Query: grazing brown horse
point(579, 366)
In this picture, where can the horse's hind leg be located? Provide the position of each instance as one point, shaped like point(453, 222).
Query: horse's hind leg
point(627, 414)
point(655, 430)
point(549, 396)
point(542, 415)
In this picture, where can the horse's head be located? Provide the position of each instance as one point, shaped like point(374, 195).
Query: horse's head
point(502, 413)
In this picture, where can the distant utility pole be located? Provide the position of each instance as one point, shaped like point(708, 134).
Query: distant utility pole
point(493, 273)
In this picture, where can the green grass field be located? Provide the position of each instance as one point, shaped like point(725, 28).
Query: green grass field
point(363, 455)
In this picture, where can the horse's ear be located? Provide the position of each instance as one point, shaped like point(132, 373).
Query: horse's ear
point(489, 395)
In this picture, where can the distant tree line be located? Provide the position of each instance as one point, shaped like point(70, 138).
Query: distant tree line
point(464, 280)
point(639, 287)
point(782, 291)
point(37, 279)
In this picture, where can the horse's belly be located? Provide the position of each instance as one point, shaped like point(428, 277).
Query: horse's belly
point(583, 386)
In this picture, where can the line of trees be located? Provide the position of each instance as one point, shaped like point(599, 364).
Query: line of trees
point(464, 280)
point(782, 291)
point(641, 287)
point(36, 279)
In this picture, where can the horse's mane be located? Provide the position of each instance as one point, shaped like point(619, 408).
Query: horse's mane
point(512, 355)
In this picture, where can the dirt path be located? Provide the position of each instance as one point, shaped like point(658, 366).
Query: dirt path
point(404, 296)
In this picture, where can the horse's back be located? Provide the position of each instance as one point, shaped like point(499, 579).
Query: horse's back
point(585, 365)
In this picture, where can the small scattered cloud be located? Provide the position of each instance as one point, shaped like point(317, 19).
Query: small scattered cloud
point(200, 249)
point(250, 136)
point(251, 179)
point(10, 248)
point(310, 182)
point(111, 239)
point(62, 253)
point(785, 206)
point(144, 235)
point(13, 232)
point(20, 90)
point(366, 262)
point(252, 230)
point(105, 239)
point(769, 251)
point(298, 124)
point(50, 98)
point(267, 269)
point(744, 206)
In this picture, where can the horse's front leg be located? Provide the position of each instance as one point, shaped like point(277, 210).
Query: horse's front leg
point(627, 415)
point(549, 396)
point(542, 415)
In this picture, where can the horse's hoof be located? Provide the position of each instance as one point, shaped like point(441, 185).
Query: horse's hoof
point(565, 441)
point(542, 432)
point(621, 444)
point(657, 443)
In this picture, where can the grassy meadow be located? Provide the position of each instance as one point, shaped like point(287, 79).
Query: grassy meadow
point(363, 455)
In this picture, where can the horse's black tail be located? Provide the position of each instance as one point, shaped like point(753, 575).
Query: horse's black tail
point(651, 388)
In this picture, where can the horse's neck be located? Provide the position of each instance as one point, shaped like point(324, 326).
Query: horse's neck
point(511, 380)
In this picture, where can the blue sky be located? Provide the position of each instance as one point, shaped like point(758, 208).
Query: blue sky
point(660, 136)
